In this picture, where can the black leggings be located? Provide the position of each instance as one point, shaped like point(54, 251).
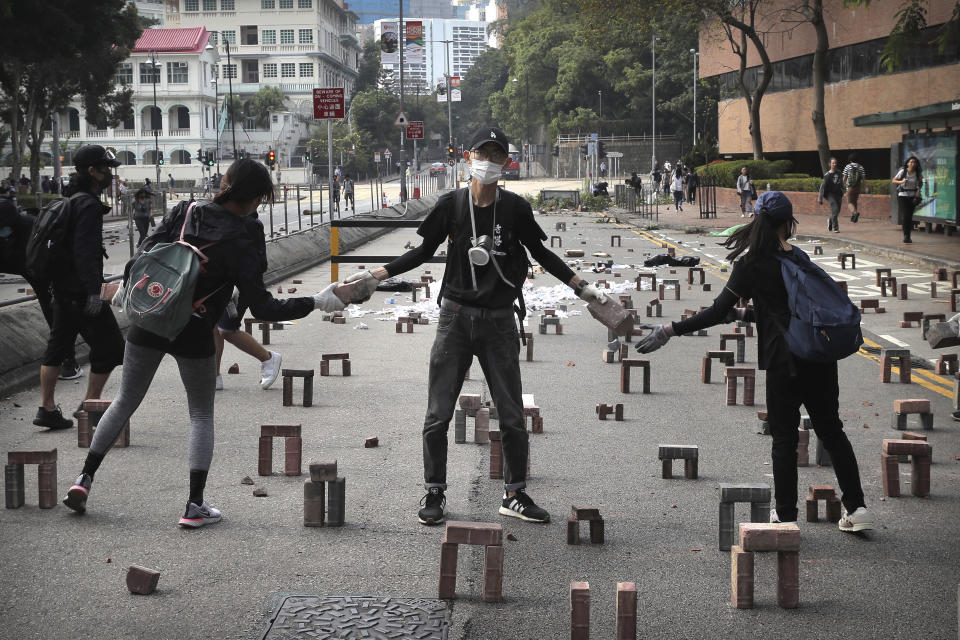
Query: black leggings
point(816, 388)
point(906, 206)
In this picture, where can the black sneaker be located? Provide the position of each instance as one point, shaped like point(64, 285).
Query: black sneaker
point(956, 415)
point(522, 506)
point(52, 419)
point(855, 217)
point(77, 494)
point(76, 414)
point(433, 506)
point(70, 371)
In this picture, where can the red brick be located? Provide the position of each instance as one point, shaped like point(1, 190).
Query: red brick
point(920, 477)
point(573, 530)
point(822, 491)
point(448, 570)
point(912, 405)
point(492, 584)
point(265, 456)
point(890, 475)
point(141, 580)
point(907, 447)
point(579, 611)
point(788, 579)
point(910, 435)
point(280, 430)
point(31, 457)
point(293, 455)
point(626, 611)
point(741, 578)
point(371, 442)
point(769, 536)
point(479, 533)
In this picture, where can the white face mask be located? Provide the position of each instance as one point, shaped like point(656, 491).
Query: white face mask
point(484, 171)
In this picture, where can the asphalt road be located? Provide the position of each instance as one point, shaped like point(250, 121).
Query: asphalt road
point(899, 581)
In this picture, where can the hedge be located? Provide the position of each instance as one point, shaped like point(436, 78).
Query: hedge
point(725, 173)
point(874, 187)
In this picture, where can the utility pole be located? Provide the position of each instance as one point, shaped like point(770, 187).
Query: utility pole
point(155, 75)
point(402, 37)
point(653, 112)
point(233, 128)
point(695, 54)
point(446, 55)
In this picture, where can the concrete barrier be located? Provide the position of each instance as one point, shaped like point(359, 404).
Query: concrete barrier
point(23, 331)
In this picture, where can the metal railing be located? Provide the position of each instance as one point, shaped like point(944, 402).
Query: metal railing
point(644, 202)
point(336, 259)
point(707, 197)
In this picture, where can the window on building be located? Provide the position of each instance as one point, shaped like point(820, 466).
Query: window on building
point(148, 73)
point(269, 36)
point(305, 4)
point(248, 35)
point(286, 36)
point(228, 5)
point(268, 4)
point(270, 70)
point(209, 5)
point(229, 36)
point(214, 38)
point(306, 36)
point(191, 5)
point(306, 69)
point(229, 71)
point(124, 73)
point(177, 73)
point(288, 70)
point(286, 4)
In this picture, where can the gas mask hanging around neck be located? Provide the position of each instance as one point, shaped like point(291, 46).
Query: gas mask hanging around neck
point(484, 171)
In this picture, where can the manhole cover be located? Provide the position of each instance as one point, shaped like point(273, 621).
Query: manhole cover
point(366, 618)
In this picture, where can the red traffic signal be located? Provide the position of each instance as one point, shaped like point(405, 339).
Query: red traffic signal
point(271, 157)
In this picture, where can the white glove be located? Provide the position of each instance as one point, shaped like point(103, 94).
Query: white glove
point(590, 293)
point(117, 299)
point(93, 305)
point(658, 337)
point(370, 281)
point(327, 300)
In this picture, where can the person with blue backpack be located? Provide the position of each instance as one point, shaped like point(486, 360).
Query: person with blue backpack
point(805, 324)
point(187, 303)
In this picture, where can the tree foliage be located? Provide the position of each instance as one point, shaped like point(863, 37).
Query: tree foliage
point(264, 101)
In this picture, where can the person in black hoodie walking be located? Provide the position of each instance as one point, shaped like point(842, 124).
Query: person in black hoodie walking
point(232, 261)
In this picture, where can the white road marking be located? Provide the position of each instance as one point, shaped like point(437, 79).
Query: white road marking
point(894, 341)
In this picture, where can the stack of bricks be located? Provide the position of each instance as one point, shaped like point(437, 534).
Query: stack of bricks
point(404, 321)
point(698, 270)
point(604, 410)
point(818, 250)
point(536, 420)
point(842, 259)
point(947, 364)
point(654, 308)
point(344, 359)
point(920, 453)
point(580, 611)
point(89, 418)
point(828, 494)
point(746, 326)
point(626, 365)
point(549, 318)
point(749, 375)
point(929, 318)
point(46, 462)
point(757, 494)
point(780, 537)
point(315, 513)
point(909, 317)
point(481, 426)
point(888, 281)
point(652, 277)
point(675, 283)
point(337, 317)
point(741, 344)
point(288, 376)
point(292, 447)
point(577, 515)
point(910, 435)
point(487, 535)
point(689, 313)
point(871, 303)
point(264, 329)
point(725, 357)
point(906, 406)
point(610, 355)
point(470, 404)
point(886, 363)
point(689, 453)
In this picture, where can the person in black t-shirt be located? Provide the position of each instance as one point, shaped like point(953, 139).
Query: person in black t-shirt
point(488, 232)
point(790, 381)
point(831, 188)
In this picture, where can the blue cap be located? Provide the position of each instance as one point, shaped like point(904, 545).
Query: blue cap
point(775, 205)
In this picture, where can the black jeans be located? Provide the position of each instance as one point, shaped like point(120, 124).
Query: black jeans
point(906, 205)
point(834, 201)
point(816, 388)
point(143, 227)
point(490, 335)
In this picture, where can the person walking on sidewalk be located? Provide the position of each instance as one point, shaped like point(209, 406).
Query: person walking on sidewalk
point(909, 181)
point(745, 191)
point(677, 186)
point(790, 381)
point(231, 262)
point(693, 181)
point(348, 193)
point(488, 232)
point(831, 188)
point(141, 215)
point(172, 187)
point(77, 283)
point(854, 176)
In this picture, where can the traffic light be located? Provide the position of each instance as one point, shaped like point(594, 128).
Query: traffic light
point(210, 159)
point(601, 149)
point(271, 158)
point(556, 150)
point(160, 158)
point(306, 155)
point(451, 151)
point(241, 154)
point(200, 155)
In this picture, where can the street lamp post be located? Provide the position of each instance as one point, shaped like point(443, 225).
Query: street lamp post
point(155, 75)
point(695, 54)
point(653, 98)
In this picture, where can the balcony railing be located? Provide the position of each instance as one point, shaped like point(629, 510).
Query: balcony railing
point(150, 132)
point(179, 132)
point(124, 133)
point(97, 133)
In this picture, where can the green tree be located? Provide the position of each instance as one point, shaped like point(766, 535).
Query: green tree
point(40, 74)
point(368, 72)
point(264, 101)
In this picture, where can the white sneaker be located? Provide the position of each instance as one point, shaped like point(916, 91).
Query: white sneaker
point(270, 370)
point(776, 519)
point(742, 216)
point(859, 520)
point(219, 382)
point(195, 516)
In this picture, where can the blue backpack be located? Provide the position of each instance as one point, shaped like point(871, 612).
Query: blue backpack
point(824, 323)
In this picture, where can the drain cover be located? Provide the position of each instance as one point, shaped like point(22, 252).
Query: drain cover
point(366, 618)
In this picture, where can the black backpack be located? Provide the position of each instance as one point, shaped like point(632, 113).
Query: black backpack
point(46, 246)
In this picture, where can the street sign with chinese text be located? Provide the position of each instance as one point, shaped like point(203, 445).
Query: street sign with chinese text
point(376, 157)
point(328, 103)
point(415, 130)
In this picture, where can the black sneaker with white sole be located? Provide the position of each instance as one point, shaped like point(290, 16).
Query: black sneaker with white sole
point(433, 503)
point(52, 419)
point(522, 506)
point(76, 497)
point(70, 371)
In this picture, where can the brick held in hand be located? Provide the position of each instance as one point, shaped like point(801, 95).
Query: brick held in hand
point(612, 315)
point(352, 292)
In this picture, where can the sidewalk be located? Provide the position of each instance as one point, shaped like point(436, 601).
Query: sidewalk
point(875, 236)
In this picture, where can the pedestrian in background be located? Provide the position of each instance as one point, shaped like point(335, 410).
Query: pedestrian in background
point(142, 216)
point(745, 191)
point(854, 177)
point(693, 181)
point(909, 181)
point(831, 188)
point(171, 186)
point(348, 187)
point(791, 381)
point(335, 189)
point(677, 186)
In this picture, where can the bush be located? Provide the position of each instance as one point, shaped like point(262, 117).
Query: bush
point(725, 173)
point(873, 187)
point(591, 202)
point(795, 175)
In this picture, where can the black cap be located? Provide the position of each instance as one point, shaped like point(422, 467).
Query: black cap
point(483, 135)
point(775, 205)
point(91, 155)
